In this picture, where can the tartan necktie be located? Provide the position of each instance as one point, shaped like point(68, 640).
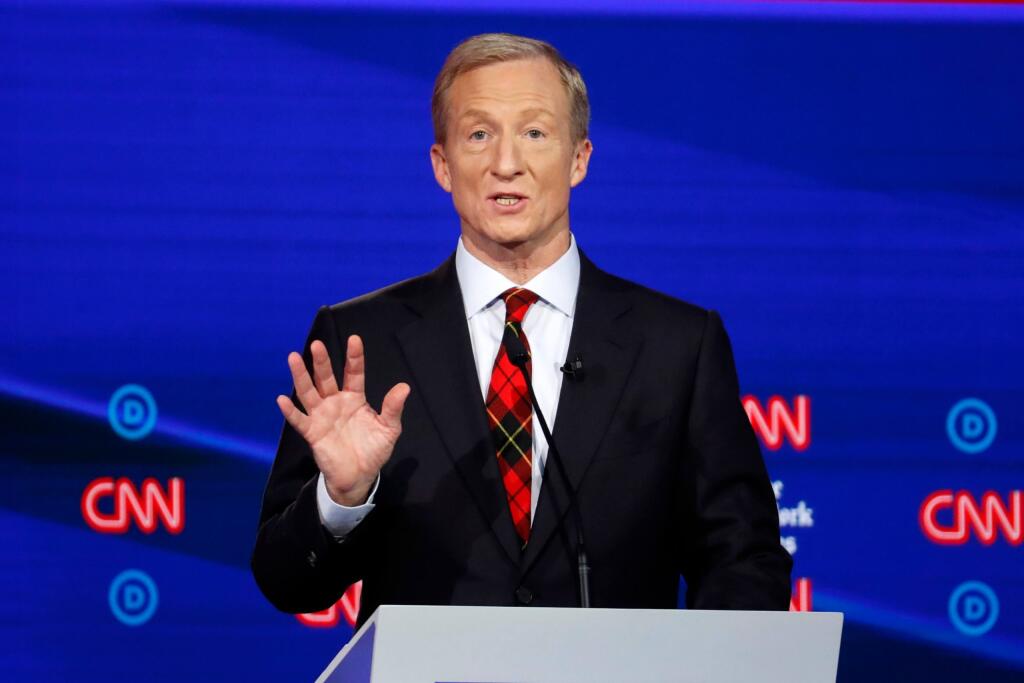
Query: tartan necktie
point(510, 414)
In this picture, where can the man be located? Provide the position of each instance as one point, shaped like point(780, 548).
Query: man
point(443, 497)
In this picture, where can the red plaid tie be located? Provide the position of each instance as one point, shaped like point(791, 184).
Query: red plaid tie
point(511, 416)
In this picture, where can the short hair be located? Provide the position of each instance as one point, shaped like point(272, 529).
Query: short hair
point(491, 48)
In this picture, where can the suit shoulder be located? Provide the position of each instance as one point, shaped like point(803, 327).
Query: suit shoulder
point(670, 327)
point(659, 306)
point(386, 302)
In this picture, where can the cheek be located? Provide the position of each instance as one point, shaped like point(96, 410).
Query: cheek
point(556, 190)
point(462, 193)
point(464, 179)
point(466, 203)
point(557, 173)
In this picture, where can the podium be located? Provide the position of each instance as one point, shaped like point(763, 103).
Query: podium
point(419, 644)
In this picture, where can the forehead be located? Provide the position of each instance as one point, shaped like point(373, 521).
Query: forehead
point(509, 87)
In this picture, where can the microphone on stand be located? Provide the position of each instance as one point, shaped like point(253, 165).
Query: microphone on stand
point(518, 354)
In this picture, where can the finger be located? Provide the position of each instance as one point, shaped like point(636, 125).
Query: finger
point(354, 378)
point(292, 415)
point(394, 403)
point(322, 370)
point(304, 388)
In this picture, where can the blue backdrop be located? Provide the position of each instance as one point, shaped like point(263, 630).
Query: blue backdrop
point(183, 184)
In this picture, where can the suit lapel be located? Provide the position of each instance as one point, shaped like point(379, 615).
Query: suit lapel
point(601, 334)
point(440, 357)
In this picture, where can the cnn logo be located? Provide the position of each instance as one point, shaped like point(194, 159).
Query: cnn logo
point(987, 519)
point(149, 506)
point(800, 601)
point(778, 422)
point(347, 607)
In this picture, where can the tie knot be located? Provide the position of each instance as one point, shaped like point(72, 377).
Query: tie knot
point(517, 303)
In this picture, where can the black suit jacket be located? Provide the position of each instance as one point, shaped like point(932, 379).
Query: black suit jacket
point(669, 475)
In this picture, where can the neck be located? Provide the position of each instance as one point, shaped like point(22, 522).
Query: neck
point(518, 261)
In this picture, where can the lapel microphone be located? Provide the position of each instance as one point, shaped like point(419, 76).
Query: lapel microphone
point(518, 354)
point(573, 369)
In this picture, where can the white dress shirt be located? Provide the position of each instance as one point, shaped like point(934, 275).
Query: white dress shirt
point(547, 325)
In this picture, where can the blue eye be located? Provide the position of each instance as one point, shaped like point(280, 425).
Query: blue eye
point(477, 135)
point(538, 136)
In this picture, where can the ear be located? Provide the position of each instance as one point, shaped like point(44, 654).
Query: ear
point(580, 162)
point(440, 164)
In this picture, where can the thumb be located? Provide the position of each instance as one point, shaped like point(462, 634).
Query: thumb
point(393, 404)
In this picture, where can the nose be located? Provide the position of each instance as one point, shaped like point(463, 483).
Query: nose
point(507, 161)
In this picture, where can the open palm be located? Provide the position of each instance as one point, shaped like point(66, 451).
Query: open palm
point(349, 439)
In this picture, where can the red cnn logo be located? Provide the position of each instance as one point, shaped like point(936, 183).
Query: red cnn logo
point(348, 607)
point(145, 506)
point(801, 600)
point(779, 420)
point(987, 519)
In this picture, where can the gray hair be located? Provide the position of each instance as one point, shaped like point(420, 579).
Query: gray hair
point(490, 48)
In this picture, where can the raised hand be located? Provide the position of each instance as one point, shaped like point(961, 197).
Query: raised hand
point(349, 439)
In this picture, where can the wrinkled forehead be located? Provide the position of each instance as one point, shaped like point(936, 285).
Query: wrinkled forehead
point(519, 87)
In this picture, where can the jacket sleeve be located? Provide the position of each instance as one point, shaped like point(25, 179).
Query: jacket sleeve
point(733, 558)
point(296, 562)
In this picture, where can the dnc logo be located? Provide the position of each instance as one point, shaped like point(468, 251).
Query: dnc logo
point(132, 412)
point(971, 425)
point(133, 597)
point(973, 608)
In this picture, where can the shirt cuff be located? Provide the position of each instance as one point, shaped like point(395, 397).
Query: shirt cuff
point(338, 519)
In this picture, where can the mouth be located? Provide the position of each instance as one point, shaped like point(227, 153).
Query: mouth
point(507, 199)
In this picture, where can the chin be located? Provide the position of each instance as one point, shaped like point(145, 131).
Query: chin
point(509, 235)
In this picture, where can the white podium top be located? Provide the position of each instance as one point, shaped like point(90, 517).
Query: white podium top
point(416, 644)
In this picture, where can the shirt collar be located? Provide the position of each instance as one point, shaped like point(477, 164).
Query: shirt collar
point(481, 285)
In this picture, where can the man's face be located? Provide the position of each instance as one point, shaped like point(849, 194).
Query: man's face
point(509, 159)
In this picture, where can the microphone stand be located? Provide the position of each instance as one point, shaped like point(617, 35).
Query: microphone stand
point(519, 356)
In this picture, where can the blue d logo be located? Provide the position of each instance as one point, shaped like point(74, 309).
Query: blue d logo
point(973, 608)
point(132, 412)
point(133, 597)
point(971, 425)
